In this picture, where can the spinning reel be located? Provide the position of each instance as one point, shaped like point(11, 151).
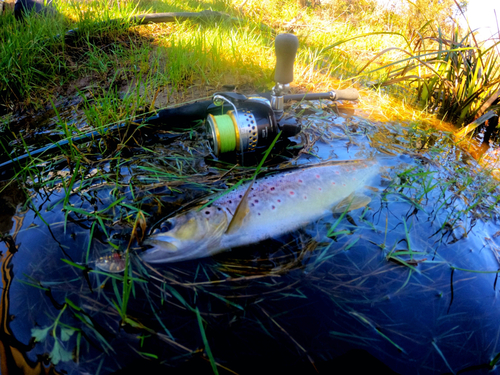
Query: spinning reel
point(245, 124)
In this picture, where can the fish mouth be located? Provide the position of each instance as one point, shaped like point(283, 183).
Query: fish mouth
point(160, 251)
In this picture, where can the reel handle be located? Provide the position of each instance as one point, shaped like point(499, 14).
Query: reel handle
point(347, 94)
point(285, 47)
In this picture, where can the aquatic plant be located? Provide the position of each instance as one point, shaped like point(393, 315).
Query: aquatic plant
point(58, 353)
point(454, 75)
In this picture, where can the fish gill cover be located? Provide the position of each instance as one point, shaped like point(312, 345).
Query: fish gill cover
point(408, 279)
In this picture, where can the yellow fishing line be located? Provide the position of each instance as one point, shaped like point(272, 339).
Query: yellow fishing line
point(227, 133)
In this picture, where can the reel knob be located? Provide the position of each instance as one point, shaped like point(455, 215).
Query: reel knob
point(285, 47)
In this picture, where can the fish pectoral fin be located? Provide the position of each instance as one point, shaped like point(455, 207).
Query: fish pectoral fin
point(241, 212)
point(352, 202)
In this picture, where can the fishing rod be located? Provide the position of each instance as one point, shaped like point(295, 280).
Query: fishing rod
point(233, 122)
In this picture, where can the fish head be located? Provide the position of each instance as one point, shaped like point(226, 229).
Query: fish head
point(194, 234)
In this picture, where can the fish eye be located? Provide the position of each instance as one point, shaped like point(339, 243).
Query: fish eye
point(166, 226)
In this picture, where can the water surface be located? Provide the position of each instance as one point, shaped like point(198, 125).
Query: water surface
point(408, 282)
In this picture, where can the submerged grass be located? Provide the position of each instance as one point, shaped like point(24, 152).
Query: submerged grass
point(134, 70)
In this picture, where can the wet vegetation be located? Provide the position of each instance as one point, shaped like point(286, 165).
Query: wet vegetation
point(409, 279)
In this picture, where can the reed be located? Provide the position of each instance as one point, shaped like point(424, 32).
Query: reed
point(453, 75)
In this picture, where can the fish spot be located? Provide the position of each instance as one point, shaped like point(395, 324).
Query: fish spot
point(256, 201)
point(300, 181)
point(207, 212)
point(273, 188)
point(305, 197)
point(343, 184)
point(219, 209)
point(258, 213)
point(320, 189)
point(230, 202)
point(292, 192)
point(279, 201)
point(253, 205)
point(273, 207)
point(333, 182)
point(241, 196)
point(337, 172)
point(317, 176)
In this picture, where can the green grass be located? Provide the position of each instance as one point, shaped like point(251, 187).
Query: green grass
point(119, 72)
point(133, 69)
point(192, 59)
point(29, 56)
point(454, 76)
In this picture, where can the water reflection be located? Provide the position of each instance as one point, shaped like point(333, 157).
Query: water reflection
point(410, 280)
point(15, 353)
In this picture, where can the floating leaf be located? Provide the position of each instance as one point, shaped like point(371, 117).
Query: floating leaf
point(66, 333)
point(40, 334)
point(59, 354)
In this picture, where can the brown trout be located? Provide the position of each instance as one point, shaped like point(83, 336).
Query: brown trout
point(269, 207)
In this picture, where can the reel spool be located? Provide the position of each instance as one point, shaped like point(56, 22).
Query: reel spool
point(249, 125)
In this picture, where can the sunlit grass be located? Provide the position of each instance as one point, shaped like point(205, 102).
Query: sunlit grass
point(454, 76)
point(223, 53)
point(170, 60)
point(131, 68)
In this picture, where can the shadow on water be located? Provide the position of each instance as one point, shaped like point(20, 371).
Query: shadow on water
point(406, 284)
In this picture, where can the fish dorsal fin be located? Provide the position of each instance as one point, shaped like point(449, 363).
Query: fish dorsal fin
point(352, 202)
point(241, 211)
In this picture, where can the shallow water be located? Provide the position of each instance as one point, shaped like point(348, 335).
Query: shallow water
point(411, 280)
